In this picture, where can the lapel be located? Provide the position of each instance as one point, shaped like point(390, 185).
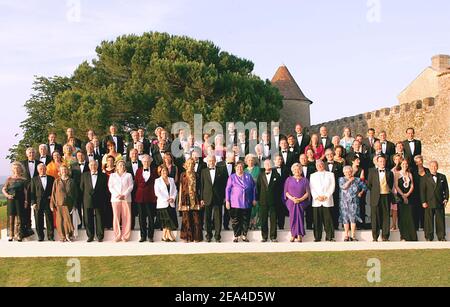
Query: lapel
point(90, 180)
point(265, 179)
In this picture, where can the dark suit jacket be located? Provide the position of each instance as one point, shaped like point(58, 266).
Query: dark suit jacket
point(268, 193)
point(145, 191)
point(120, 144)
point(48, 159)
point(311, 169)
point(27, 170)
point(366, 143)
point(410, 155)
point(40, 196)
point(223, 165)
point(362, 157)
point(94, 198)
point(213, 194)
point(374, 185)
point(390, 148)
point(300, 148)
point(432, 193)
point(291, 159)
point(129, 167)
point(58, 147)
point(328, 143)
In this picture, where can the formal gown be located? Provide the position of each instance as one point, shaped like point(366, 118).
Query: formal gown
point(349, 200)
point(406, 219)
point(254, 217)
point(296, 188)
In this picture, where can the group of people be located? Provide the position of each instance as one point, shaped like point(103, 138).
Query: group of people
point(317, 181)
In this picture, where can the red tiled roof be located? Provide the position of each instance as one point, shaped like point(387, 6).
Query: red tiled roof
point(287, 86)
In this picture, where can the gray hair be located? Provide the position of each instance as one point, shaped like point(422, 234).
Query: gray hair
point(294, 166)
point(347, 167)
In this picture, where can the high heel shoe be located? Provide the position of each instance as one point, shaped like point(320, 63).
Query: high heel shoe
point(347, 239)
point(353, 239)
point(292, 239)
point(10, 239)
point(299, 239)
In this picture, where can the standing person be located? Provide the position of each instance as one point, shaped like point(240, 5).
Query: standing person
point(387, 147)
point(41, 192)
point(434, 196)
point(63, 200)
point(43, 154)
point(70, 133)
point(411, 146)
point(301, 140)
point(296, 195)
point(307, 170)
point(113, 137)
point(322, 186)
point(268, 192)
point(281, 209)
point(189, 204)
point(166, 193)
point(240, 196)
point(347, 139)
point(90, 153)
point(339, 153)
point(52, 145)
point(144, 182)
point(254, 170)
point(325, 140)
point(369, 142)
point(289, 157)
point(358, 172)
point(30, 167)
point(121, 186)
point(173, 173)
point(229, 168)
point(397, 159)
point(332, 166)
point(293, 148)
point(404, 186)
point(213, 182)
point(111, 153)
point(99, 150)
point(380, 184)
point(317, 147)
point(351, 192)
point(144, 140)
point(53, 167)
point(15, 191)
point(419, 173)
point(95, 195)
point(108, 170)
point(133, 164)
point(134, 143)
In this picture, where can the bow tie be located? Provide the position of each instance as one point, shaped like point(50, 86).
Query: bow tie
point(53, 144)
point(146, 170)
point(299, 135)
point(284, 151)
point(411, 141)
point(43, 157)
point(135, 163)
point(31, 162)
point(113, 135)
point(229, 163)
point(330, 163)
point(212, 169)
point(382, 170)
point(94, 174)
point(268, 173)
point(43, 176)
point(80, 164)
point(90, 155)
point(434, 176)
point(324, 138)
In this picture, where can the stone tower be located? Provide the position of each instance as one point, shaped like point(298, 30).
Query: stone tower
point(296, 107)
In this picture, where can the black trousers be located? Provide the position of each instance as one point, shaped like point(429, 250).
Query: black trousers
point(418, 212)
point(39, 220)
point(213, 215)
point(309, 217)
point(381, 218)
point(335, 209)
point(362, 211)
point(266, 215)
point(147, 214)
point(226, 218)
point(240, 220)
point(323, 219)
point(281, 212)
point(134, 214)
point(432, 217)
point(93, 221)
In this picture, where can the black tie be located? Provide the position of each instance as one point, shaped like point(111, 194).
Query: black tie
point(145, 170)
point(135, 163)
point(94, 174)
point(43, 176)
point(382, 170)
point(31, 162)
point(91, 155)
point(212, 169)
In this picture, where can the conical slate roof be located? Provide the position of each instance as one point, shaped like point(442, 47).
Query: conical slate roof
point(287, 86)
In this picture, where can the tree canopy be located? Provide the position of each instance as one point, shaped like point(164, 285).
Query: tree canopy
point(145, 81)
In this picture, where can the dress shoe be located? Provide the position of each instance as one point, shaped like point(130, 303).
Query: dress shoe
point(51, 239)
point(142, 240)
point(245, 239)
point(274, 241)
point(40, 239)
point(236, 240)
point(90, 240)
point(150, 240)
point(226, 228)
point(264, 240)
point(208, 240)
point(443, 240)
point(218, 241)
point(100, 240)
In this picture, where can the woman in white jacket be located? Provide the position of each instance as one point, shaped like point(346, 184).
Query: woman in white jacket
point(166, 192)
point(121, 185)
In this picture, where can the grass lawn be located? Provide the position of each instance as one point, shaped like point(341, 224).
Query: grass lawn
point(398, 268)
point(2, 218)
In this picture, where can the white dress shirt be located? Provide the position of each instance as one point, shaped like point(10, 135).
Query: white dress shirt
point(163, 195)
point(94, 180)
point(120, 185)
point(382, 174)
point(135, 167)
point(196, 166)
point(43, 159)
point(305, 171)
point(44, 182)
point(52, 149)
point(31, 168)
point(412, 146)
point(212, 173)
point(146, 175)
point(229, 169)
point(91, 157)
point(83, 164)
point(383, 147)
point(268, 177)
point(299, 139)
point(284, 154)
point(322, 184)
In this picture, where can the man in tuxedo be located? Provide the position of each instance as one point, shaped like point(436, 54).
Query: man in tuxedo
point(52, 145)
point(243, 144)
point(266, 146)
point(44, 157)
point(231, 136)
point(41, 192)
point(132, 165)
point(70, 133)
point(370, 141)
point(284, 172)
point(117, 139)
point(287, 155)
point(30, 167)
point(90, 154)
point(307, 170)
point(228, 168)
point(134, 142)
point(212, 190)
point(357, 151)
point(293, 148)
point(324, 139)
point(363, 148)
point(276, 137)
point(78, 169)
point(259, 152)
point(99, 151)
point(377, 152)
point(158, 153)
point(387, 147)
point(380, 184)
point(144, 140)
point(337, 170)
point(301, 140)
point(199, 165)
point(93, 188)
point(434, 196)
point(269, 191)
point(412, 147)
point(322, 184)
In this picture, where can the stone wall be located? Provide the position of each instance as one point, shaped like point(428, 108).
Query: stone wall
point(430, 117)
point(294, 111)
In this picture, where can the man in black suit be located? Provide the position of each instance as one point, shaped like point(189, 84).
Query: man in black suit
point(357, 151)
point(231, 137)
point(70, 133)
point(387, 147)
point(117, 139)
point(411, 146)
point(307, 170)
point(301, 140)
point(134, 143)
point(99, 151)
point(380, 184)
point(158, 153)
point(41, 192)
point(268, 188)
point(324, 139)
point(284, 172)
point(93, 188)
point(337, 170)
point(133, 164)
point(30, 166)
point(144, 140)
point(293, 148)
point(44, 157)
point(242, 143)
point(287, 155)
point(228, 167)
point(90, 154)
point(52, 145)
point(78, 169)
point(377, 151)
point(434, 197)
point(370, 141)
point(212, 189)
point(276, 137)
point(266, 147)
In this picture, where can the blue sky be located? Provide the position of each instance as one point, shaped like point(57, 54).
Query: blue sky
point(344, 61)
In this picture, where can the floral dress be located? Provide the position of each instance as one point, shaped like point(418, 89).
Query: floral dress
point(349, 200)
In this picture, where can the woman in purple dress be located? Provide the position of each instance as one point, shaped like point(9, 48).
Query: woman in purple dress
point(296, 195)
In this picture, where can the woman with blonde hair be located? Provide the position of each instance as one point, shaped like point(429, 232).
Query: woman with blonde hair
point(63, 199)
point(166, 192)
point(189, 204)
point(68, 159)
point(347, 139)
point(254, 170)
point(15, 191)
point(111, 147)
point(53, 167)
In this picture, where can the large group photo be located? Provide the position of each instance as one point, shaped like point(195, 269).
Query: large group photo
point(150, 138)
